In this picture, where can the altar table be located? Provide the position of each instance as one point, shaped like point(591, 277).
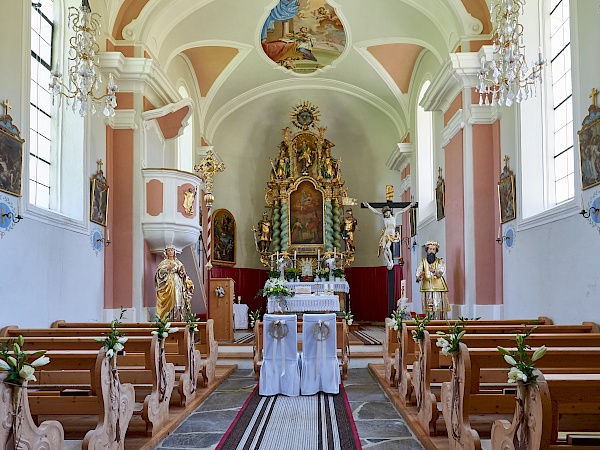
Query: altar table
point(339, 286)
point(305, 302)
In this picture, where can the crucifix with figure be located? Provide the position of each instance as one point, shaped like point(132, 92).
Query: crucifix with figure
point(389, 234)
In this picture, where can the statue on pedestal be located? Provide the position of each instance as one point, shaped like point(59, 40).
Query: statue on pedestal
point(174, 289)
point(434, 291)
point(350, 224)
point(264, 230)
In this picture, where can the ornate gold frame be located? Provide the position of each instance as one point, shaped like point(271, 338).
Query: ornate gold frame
point(589, 126)
point(99, 206)
point(440, 197)
point(506, 194)
point(10, 140)
point(293, 188)
point(215, 260)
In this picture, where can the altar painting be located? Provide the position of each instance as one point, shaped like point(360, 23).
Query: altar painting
point(224, 238)
point(306, 215)
point(303, 35)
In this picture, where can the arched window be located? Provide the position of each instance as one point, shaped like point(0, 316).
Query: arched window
point(425, 157)
point(561, 120)
point(185, 142)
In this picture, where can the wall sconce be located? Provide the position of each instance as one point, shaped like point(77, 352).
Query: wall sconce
point(589, 212)
point(11, 216)
point(501, 239)
point(105, 240)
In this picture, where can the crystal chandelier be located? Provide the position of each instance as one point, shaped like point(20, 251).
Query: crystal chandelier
point(84, 67)
point(506, 77)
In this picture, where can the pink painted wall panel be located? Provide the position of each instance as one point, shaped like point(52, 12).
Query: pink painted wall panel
point(455, 230)
point(154, 197)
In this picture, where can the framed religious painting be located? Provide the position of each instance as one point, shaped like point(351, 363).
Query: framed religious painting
point(223, 226)
point(306, 215)
point(506, 194)
point(412, 220)
point(397, 246)
point(99, 201)
point(589, 147)
point(440, 193)
point(11, 158)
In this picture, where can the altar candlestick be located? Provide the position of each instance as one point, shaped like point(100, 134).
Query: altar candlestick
point(334, 253)
point(277, 259)
point(319, 257)
point(295, 252)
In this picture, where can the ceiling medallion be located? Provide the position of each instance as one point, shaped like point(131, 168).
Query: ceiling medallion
point(303, 36)
point(305, 115)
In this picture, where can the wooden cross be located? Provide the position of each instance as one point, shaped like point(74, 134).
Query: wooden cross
point(389, 201)
point(99, 162)
point(593, 96)
point(7, 106)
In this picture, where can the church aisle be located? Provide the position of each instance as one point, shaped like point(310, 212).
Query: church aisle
point(379, 424)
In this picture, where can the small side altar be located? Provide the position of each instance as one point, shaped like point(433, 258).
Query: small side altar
point(304, 302)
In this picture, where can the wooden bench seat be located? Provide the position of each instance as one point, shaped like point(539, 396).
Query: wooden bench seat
point(341, 345)
point(572, 393)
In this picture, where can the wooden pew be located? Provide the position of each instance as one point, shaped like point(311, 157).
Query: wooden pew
point(49, 435)
point(160, 373)
point(341, 344)
point(392, 338)
point(407, 352)
point(427, 369)
point(207, 344)
point(572, 393)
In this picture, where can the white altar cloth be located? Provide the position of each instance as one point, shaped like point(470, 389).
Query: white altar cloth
point(304, 302)
point(240, 316)
point(339, 286)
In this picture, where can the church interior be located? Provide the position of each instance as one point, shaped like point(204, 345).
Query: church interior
point(188, 171)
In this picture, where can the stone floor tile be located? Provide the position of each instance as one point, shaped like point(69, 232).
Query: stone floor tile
point(382, 429)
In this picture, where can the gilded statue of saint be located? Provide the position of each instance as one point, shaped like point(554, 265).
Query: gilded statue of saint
point(350, 223)
point(174, 289)
point(264, 229)
point(434, 291)
point(189, 196)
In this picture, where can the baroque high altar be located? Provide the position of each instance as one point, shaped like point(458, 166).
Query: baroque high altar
point(306, 196)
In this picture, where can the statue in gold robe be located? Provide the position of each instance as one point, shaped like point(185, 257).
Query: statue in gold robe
point(174, 289)
point(434, 291)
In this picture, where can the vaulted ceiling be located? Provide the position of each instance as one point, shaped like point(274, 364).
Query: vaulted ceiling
point(220, 42)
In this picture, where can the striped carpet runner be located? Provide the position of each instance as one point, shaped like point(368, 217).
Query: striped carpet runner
point(315, 422)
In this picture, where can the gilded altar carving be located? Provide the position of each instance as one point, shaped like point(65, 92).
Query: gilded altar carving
point(306, 194)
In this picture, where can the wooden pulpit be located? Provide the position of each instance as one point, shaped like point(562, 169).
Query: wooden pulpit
point(220, 309)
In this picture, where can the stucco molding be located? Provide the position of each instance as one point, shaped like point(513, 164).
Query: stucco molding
point(483, 114)
point(455, 124)
point(124, 119)
point(400, 156)
point(404, 185)
point(139, 75)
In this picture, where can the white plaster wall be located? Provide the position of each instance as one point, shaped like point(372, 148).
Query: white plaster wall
point(50, 270)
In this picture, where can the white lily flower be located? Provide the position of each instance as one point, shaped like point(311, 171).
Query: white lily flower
point(110, 353)
point(395, 327)
point(26, 373)
point(165, 334)
point(122, 340)
point(4, 365)
point(442, 342)
point(118, 347)
point(349, 321)
point(168, 325)
point(41, 361)
point(154, 333)
point(173, 330)
point(514, 375)
point(509, 359)
point(12, 361)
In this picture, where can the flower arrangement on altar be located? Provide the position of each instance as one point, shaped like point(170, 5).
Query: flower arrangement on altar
point(419, 332)
point(449, 342)
point(16, 363)
point(274, 274)
point(163, 327)
point(291, 273)
point(322, 273)
point(522, 365)
point(338, 272)
point(348, 316)
point(254, 317)
point(220, 292)
point(114, 341)
point(275, 288)
point(397, 317)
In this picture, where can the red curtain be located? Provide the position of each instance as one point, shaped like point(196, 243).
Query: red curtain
point(247, 284)
point(398, 277)
point(368, 292)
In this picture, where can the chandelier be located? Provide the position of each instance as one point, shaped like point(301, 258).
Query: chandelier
point(84, 68)
point(507, 77)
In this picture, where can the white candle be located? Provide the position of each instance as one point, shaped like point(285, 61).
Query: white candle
point(277, 256)
point(499, 231)
point(582, 207)
point(319, 251)
point(295, 252)
point(107, 235)
point(334, 252)
point(19, 207)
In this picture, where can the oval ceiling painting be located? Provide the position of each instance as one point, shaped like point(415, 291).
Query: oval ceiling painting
point(303, 35)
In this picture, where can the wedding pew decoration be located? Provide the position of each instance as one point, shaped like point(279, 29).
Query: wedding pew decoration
point(163, 329)
point(15, 371)
point(348, 316)
point(114, 342)
point(189, 379)
point(254, 317)
point(391, 351)
point(448, 342)
point(522, 433)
